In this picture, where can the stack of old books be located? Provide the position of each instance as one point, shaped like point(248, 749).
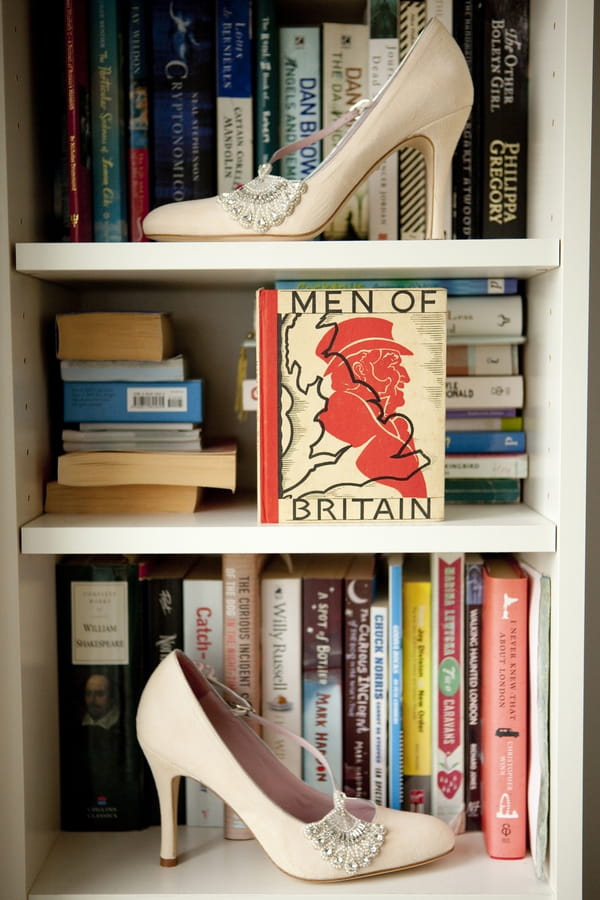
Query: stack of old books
point(132, 419)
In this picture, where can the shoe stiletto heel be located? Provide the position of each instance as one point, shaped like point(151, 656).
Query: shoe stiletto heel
point(185, 727)
point(424, 104)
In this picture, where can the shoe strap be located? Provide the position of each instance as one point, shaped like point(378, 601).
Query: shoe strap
point(242, 708)
point(349, 116)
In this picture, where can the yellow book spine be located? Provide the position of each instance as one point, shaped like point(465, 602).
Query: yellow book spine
point(417, 694)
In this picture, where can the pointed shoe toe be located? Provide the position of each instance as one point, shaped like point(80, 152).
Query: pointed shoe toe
point(186, 728)
point(424, 104)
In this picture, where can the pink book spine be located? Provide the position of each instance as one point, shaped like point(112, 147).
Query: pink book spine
point(77, 75)
point(504, 708)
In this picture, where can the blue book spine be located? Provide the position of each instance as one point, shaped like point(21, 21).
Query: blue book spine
point(395, 741)
point(300, 97)
point(183, 100)
point(235, 66)
point(456, 287)
point(485, 441)
point(109, 172)
point(117, 401)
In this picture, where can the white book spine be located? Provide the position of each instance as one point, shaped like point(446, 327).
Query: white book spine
point(383, 183)
point(484, 392)
point(203, 643)
point(281, 602)
point(487, 465)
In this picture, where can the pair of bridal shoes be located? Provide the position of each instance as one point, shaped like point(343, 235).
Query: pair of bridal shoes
point(425, 105)
point(186, 727)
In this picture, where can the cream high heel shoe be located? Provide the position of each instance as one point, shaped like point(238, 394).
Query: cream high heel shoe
point(186, 728)
point(424, 104)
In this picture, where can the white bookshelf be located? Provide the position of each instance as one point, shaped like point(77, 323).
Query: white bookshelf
point(210, 289)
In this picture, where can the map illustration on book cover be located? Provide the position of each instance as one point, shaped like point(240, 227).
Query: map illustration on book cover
point(351, 404)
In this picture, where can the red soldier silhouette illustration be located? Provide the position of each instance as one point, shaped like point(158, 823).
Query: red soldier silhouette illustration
point(368, 378)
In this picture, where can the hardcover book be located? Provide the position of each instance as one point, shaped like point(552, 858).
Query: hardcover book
point(345, 73)
point(359, 592)
point(183, 100)
point(498, 315)
point(503, 36)
point(235, 71)
point(379, 665)
point(417, 699)
point(448, 762)
point(107, 104)
point(138, 147)
point(241, 642)
point(466, 187)
point(78, 121)
point(485, 441)
point(266, 80)
point(412, 185)
point(383, 58)
point(395, 672)
point(482, 359)
point(504, 691)
point(322, 667)
point(300, 97)
point(351, 404)
point(173, 369)
point(484, 391)
point(281, 646)
point(99, 634)
point(114, 336)
point(203, 642)
point(472, 696)
point(455, 287)
point(486, 465)
point(483, 490)
point(132, 401)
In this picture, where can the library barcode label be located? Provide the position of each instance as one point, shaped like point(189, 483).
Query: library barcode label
point(167, 399)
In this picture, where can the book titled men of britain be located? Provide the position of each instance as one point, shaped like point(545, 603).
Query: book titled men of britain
point(351, 404)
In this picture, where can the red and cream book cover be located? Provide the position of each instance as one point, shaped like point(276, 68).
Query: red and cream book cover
point(351, 404)
point(505, 685)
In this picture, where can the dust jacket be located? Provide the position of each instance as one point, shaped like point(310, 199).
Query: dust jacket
point(351, 404)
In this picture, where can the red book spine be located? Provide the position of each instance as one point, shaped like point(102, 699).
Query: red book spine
point(504, 663)
point(77, 74)
point(269, 402)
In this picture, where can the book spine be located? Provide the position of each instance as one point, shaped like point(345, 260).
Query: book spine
point(482, 359)
point(484, 423)
point(266, 81)
point(484, 391)
point(379, 702)
point(472, 714)
point(412, 182)
point(182, 95)
point(345, 68)
point(109, 174)
point(300, 97)
point(96, 401)
point(100, 663)
point(322, 691)
point(382, 186)
point(448, 781)
point(241, 640)
point(138, 149)
point(486, 465)
point(395, 689)
point(485, 441)
point(485, 315)
point(504, 41)
point(504, 713)
point(98, 370)
point(235, 140)
point(356, 682)
point(466, 206)
point(78, 124)
point(454, 286)
point(281, 611)
point(483, 490)
point(417, 704)
point(203, 643)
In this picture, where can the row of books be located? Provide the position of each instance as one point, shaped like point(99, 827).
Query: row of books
point(407, 672)
point(207, 90)
point(132, 419)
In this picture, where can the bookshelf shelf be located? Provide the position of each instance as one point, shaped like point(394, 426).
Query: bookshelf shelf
point(475, 528)
point(127, 865)
point(255, 263)
point(209, 288)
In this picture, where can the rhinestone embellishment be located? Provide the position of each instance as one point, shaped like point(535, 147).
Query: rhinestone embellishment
point(265, 201)
point(343, 840)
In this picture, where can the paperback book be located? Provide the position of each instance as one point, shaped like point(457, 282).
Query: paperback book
point(123, 401)
point(351, 404)
point(234, 130)
point(300, 97)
